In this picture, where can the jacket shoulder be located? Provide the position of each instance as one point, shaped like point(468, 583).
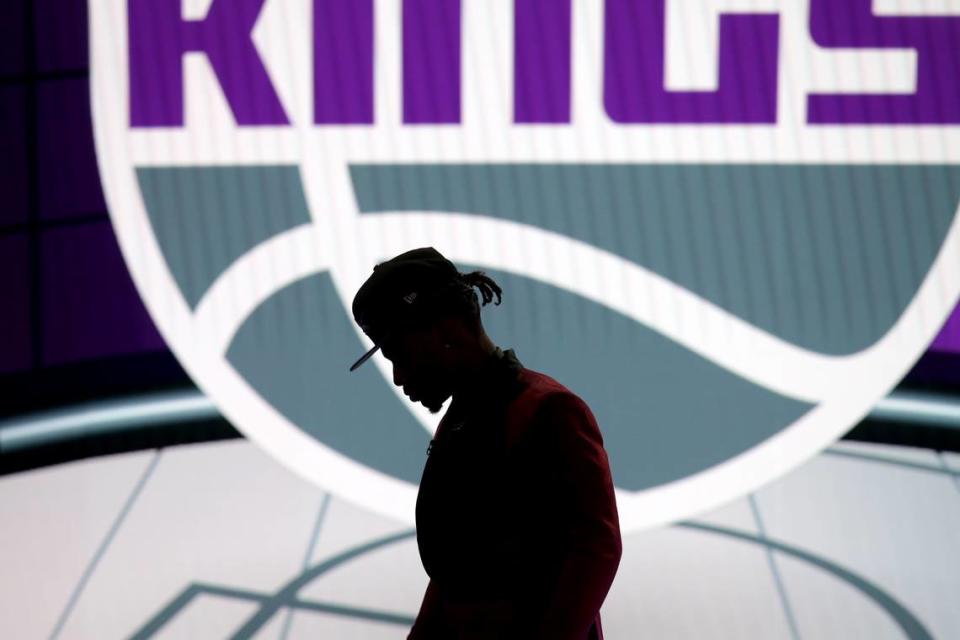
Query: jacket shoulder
point(539, 387)
point(539, 390)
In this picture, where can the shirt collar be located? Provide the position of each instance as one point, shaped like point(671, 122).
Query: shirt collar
point(494, 380)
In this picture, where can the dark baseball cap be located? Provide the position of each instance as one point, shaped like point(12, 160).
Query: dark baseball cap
point(402, 293)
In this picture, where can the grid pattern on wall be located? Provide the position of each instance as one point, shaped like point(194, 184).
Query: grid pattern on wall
point(67, 296)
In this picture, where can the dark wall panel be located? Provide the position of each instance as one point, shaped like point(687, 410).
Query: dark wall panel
point(90, 306)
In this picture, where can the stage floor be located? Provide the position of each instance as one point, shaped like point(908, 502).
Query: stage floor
point(218, 540)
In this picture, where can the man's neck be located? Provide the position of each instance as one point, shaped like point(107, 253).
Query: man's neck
point(476, 374)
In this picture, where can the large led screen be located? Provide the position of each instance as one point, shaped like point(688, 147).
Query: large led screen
point(729, 226)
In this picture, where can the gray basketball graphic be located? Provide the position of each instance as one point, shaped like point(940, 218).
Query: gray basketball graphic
point(731, 277)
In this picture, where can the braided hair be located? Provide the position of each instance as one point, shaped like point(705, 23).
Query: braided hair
point(463, 299)
point(488, 288)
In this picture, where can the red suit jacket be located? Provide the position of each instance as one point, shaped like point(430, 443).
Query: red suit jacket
point(517, 522)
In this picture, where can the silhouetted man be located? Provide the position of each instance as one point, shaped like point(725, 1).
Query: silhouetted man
point(517, 523)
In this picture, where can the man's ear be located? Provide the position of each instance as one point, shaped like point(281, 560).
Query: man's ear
point(454, 330)
point(444, 329)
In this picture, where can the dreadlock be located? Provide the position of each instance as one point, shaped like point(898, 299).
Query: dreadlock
point(488, 288)
point(464, 299)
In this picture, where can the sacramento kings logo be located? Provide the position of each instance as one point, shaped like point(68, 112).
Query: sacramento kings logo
point(729, 225)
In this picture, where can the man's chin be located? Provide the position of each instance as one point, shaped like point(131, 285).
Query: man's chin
point(432, 406)
point(434, 402)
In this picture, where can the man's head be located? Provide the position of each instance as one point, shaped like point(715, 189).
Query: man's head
point(423, 314)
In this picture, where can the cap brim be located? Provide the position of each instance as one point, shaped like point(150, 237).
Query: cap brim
point(364, 357)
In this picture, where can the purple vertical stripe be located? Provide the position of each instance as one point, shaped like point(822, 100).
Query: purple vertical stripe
point(14, 167)
point(431, 61)
point(542, 61)
point(15, 329)
point(61, 34)
point(91, 308)
point(158, 39)
point(949, 338)
point(851, 23)
point(12, 40)
point(634, 69)
point(66, 158)
point(343, 62)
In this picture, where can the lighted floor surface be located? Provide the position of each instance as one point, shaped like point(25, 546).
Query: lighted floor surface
point(218, 540)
